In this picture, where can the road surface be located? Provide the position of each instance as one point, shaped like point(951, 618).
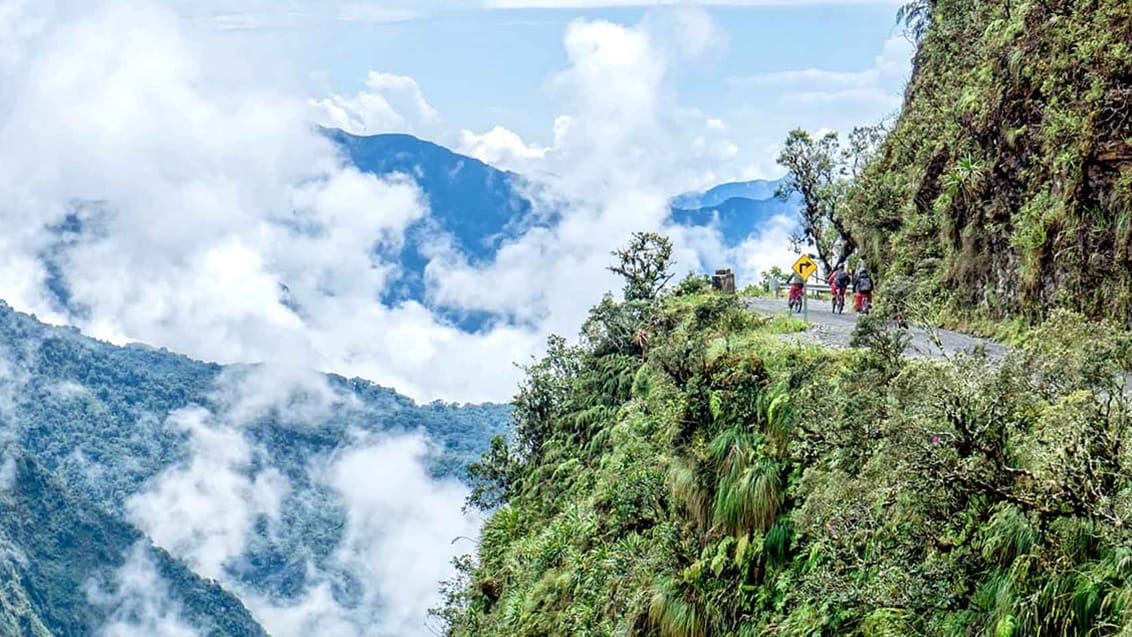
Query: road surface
point(835, 330)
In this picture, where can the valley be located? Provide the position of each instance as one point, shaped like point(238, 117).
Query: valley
point(396, 319)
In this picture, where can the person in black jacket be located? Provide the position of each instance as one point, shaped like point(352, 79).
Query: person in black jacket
point(863, 291)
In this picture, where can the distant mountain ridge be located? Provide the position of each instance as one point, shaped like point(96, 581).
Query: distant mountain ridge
point(757, 190)
point(476, 205)
point(733, 217)
point(737, 209)
point(480, 206)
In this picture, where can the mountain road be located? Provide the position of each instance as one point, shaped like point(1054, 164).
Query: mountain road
point(835, 330)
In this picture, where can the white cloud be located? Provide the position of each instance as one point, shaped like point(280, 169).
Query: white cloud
point(398, 542)
point(138, 602)
point(294, 395)
point(500, 147)
point(7, 472)
point(765, 249)
point(686, 32)
point(390, 104)
point(883, 83)
point(203, 509)
point(399, 526)
point(403, 561)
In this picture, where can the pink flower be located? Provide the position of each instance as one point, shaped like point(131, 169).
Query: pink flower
point(935, 440)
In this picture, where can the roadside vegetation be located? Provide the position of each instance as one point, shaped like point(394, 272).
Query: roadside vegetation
point(685, 471)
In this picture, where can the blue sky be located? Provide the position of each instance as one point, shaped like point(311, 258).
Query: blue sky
point(484, 66)
point(480, 68)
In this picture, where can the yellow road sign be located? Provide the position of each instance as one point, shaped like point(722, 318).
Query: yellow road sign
point(805, 266)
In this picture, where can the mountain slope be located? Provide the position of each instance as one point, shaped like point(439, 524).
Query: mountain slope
point(737, 209)
point(69, 392)
point(1005, 188)
point(118, 423)
point(757, 190)
point(470, 199)
point(717, 479)
point(476, 205)
point(736, 218)
point(56, 550)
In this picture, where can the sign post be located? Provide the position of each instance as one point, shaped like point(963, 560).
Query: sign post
point(805, 268)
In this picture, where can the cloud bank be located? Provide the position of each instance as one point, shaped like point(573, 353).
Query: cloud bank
point(214, 220)
point(399, 524)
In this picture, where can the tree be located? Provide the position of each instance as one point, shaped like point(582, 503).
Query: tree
point(774, 273)
point(542, 397)
point(645, 264)
point(916, 17)
point(493, 477)
point(815, 168)
point(864, 143)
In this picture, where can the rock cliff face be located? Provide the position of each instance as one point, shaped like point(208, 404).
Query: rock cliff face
point(1007, 180)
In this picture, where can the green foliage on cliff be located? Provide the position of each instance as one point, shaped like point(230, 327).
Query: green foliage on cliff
point(714, 479)
point(1005, 187)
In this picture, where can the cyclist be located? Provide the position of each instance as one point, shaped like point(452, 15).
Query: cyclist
point(838, 282)
point(863, 291)
point(797, 284)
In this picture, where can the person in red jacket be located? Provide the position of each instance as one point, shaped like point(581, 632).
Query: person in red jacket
point(797, 286)
point(839, 282)
point(863, 291)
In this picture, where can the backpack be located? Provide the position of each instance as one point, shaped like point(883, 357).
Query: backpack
point(865, 284)
point(841, 278)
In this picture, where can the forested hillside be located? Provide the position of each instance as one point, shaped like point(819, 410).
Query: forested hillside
point(685, 471)
point(1005, 188)
point(96, 440)
point(64, 565)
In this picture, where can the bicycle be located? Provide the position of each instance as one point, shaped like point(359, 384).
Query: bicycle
point(838, 300)
point(866, 304)
point(795, 301)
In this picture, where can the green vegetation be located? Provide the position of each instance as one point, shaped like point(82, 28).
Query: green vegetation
point(1005, 188)
point(644, 265)
point(714, 479)
point(54, 547)
point(684, 472)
